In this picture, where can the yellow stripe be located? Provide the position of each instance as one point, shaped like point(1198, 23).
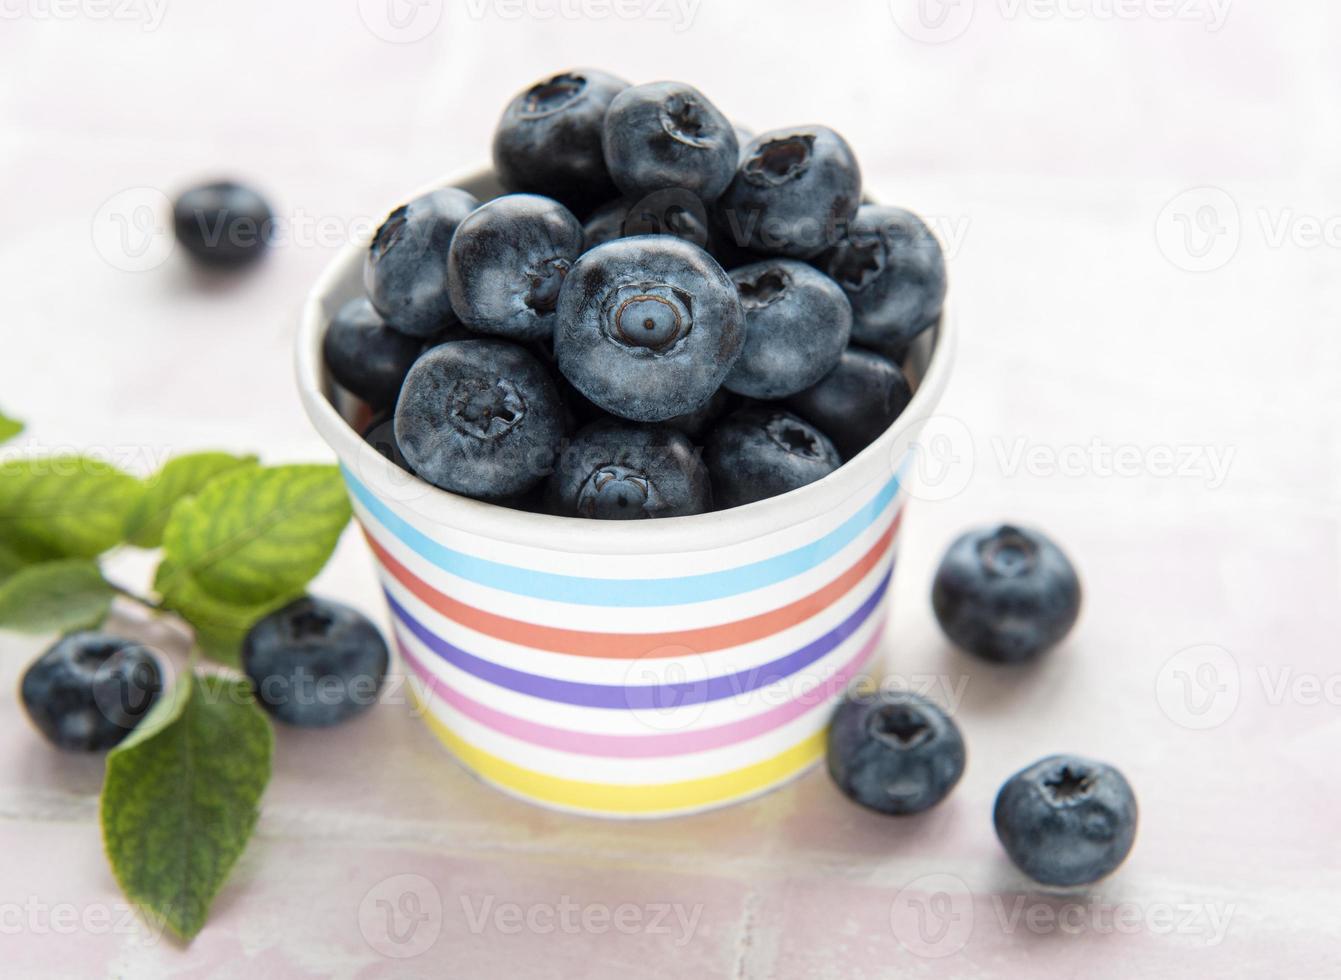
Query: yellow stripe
point(653, 798)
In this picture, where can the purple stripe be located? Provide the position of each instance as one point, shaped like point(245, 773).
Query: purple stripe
point(654, 697)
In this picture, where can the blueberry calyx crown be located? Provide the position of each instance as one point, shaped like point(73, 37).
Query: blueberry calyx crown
point(310, 624)
point(653, 316)
point(780, 160)
point(682, 119)
point(552, 95)
point(1008, 553)
point(794, 438)
point(391, 230)
point(899, 726)
point(856, 264)
point(484, 408)
point(1068, 786)
point(92, 656)
point(668, 212)
point(613, 491)
point(546, 282)
point(767, 287)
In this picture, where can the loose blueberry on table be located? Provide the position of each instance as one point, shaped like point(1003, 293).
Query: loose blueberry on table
point(315, 662)
point(894, 751)
point(629, 315)
point(90, 689)
point(223, 225)
point(1006, 593)
point(1066, 820)
point(405, 272)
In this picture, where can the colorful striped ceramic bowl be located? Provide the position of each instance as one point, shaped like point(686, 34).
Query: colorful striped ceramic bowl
point(629, 669)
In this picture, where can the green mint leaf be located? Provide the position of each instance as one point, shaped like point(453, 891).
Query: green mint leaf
point(63, 506)
point(219, 626)
point(182, 477)
point(181, 797)
point(254, 535)
point(10, 562)
point(54, 597)
point(9, 427)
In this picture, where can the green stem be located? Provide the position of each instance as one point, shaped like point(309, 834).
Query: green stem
point(145, 601)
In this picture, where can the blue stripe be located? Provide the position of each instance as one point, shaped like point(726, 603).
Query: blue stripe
point(608, 592)
point(650, 697)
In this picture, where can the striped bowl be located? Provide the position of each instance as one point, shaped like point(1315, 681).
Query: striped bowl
point(626, 669)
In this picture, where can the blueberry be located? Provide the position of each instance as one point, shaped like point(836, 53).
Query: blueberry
point(760, 452)
point(794, 193)
point(1066, 820)
point(1005, 593)
point(619, 471)
point(894, 751)
point(507, 263)
point(223, 225)
point(90, 689)
point(366, 356)
point(445, 336)
point(549, 139)
point(405, 272)
point(649, 327)
point(668, 135)
point(893, 270)
point(797, 322)
point(380, 433)
point(743, 136)
point(605, 224)
point(315, 662)
point(856, 401)
point(668, 212)
point(696, 424)
point(480, 418)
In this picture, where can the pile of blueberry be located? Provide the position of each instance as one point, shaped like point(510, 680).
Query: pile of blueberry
point(663, 316)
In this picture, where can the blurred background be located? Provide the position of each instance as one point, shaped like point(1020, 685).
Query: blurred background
point(1138, 201)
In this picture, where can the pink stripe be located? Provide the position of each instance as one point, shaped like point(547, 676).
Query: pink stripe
point(642, 746)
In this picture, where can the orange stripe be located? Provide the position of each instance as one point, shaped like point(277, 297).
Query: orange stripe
point(581, 643)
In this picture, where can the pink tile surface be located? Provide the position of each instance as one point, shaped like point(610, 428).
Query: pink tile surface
point(1047, 150)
